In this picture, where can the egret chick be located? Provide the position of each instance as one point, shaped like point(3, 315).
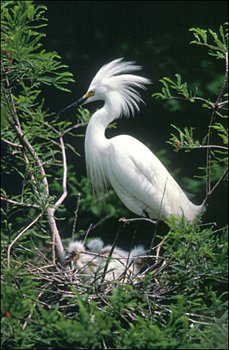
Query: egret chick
point(95, 245)
point(85, 263)
point(136, 256)
point(117, 265)
point(91, 264)
point(137, 176)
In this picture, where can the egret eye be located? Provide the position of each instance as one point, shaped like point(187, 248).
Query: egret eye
point(91, 93)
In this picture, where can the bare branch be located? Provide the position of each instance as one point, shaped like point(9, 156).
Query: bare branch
point(80, 125)
point(213, 115)
point(17, 145)
point(31, 313)
point(64, 182)
point(137, 219)
point(215, 186)
point(20, 204)
point(212, 146)
point(19, 235)
point(76, 215)
point(15, 123)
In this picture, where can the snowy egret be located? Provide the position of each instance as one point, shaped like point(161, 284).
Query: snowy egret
point(91, 261)
point(137, 176)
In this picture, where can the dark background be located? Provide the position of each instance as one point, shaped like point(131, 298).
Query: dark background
point(155, 34)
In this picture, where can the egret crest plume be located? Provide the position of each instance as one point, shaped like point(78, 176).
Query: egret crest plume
point(114, 79)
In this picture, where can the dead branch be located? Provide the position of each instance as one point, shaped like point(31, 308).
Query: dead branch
point(15, 124)
point(19, 204)
point(19, 235)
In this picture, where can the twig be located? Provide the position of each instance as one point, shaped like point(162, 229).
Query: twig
point(66, 131)
point(101, 221)
point(158, 246)
point(87, 233)
point(159, 215)
point(19, 235)
point(137, 219)
point(17, 145)
point(215, 186)
point(216, 107)
point(76, 215)
point(110, 254)
point(15, 123)
point(19, 204)
point(212, 146)
point(64, 181)
point(31, 313)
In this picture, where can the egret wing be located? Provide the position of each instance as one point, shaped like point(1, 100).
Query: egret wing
point(142, 182)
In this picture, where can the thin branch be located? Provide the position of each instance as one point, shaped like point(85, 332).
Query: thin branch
point(66, 131)
point(87, 232)
point(215, 186)
point(216, 104)
point(221, 104)
point(224, 84)
point(212, 146)
point(137, 219)
point(32, 310)
point(64, 181)
point(110, 253)
point(208, 154)
point(216, 107)
point(17, 145)
point(76, 215)
point(101, 221)
point(159, 216)
point(19, 235)
point(25, 143)
point(20, 204)
point(15, 123)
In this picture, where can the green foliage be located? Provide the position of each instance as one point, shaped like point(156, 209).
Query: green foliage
point(98, 205)
point(215, 42)
point(34, 138)
point(216, 128)
point(178, 86)
point(24, 60)
point(180, 307)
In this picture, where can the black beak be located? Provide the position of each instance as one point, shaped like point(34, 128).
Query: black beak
point(68, 258)
point(77, 103)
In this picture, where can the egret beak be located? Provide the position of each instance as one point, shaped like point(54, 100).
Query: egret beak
point(68, 258)
point(77, 103)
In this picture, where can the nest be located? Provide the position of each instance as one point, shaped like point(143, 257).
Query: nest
point(62, 285)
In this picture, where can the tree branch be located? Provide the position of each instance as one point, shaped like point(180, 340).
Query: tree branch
point(19, 204)
point(215, 109)
point(11, 143)
point(15, 123)
point(19, 235)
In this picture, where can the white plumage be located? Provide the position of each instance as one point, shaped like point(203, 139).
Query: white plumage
point(85, 263)
point(91, 262)
point(138, 177)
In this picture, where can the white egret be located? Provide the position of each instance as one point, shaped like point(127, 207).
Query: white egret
point(137, 176)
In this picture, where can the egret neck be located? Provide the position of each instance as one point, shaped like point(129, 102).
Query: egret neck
point(96, 145)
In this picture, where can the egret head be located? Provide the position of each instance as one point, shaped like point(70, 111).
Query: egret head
point(74, 250)
point(114, 83)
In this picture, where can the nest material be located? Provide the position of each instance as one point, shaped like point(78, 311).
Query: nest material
point(60, 285)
